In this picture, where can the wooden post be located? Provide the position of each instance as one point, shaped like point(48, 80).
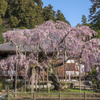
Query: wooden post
point(84, 95)
point(39, 85)
point(59, 95)
point(33, 95)
point(39, 81)
point(37, 60)
point(29, 80)
point(25, 76)
point(8, 87)
point(36, 80)
point(16, 73)
point(8, 96)
point(25, 84)
point(79, 76)
point(47, 82)
point(32, 84)
point(65, 70)
point(64, 66)
point(43, 80)
point(20, 92)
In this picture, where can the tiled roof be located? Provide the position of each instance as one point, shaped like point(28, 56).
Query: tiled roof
point(9, 46)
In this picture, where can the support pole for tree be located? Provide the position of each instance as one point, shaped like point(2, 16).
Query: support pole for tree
point(65, 64)
point(48, 88)
point(79, 76)
point(36, 80)
point(16, 73)
point(29, 80)
point(43, 80)
point(25, 77)
point(39, 84)
point(32, 84)
point(37, 60)
point(39, 79)
point(65, 71)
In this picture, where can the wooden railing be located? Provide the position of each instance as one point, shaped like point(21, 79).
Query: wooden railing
point(51, 96)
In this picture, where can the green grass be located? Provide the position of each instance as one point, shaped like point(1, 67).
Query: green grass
point(69, 91)
point(77, 91)
point(65, 91)
point(62, 91)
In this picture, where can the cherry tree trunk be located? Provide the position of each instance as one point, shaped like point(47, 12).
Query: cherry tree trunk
point(54, 78)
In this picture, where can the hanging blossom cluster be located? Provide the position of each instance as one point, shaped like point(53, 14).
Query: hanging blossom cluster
point(10, 64)
point(91, 53)
point(52, 36)
point(22, 63)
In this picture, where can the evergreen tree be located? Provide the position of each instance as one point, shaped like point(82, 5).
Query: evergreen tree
point(28, 13)
point(48, 13)
point(94, 16)
point(2, 29)
point(23, 13)
point(3, 7)
point(60, 16)
point(95, 11)
point(39, 3)
point(39, 17)
point(78, 25)
point(84, 20)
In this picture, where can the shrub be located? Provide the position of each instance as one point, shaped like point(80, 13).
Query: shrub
point(2, 83)
point(19, 83)
point(93, 81)
point(98, 84)
point(22, 27)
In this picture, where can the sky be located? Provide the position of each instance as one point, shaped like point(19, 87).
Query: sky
point(72, 9)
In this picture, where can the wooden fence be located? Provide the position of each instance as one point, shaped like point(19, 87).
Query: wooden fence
point(53, 96)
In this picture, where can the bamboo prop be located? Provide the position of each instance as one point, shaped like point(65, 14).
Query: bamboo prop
point(48, 88)
point(37, 60)
point(64, 66)
point(43, 80)
point(39, 80)
point(79, 76)
point(36, 80)
point(25, 77)
point(29, 80)
point(16, 73)
point(32, 84)
point(75, 71)
point(65, 71)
